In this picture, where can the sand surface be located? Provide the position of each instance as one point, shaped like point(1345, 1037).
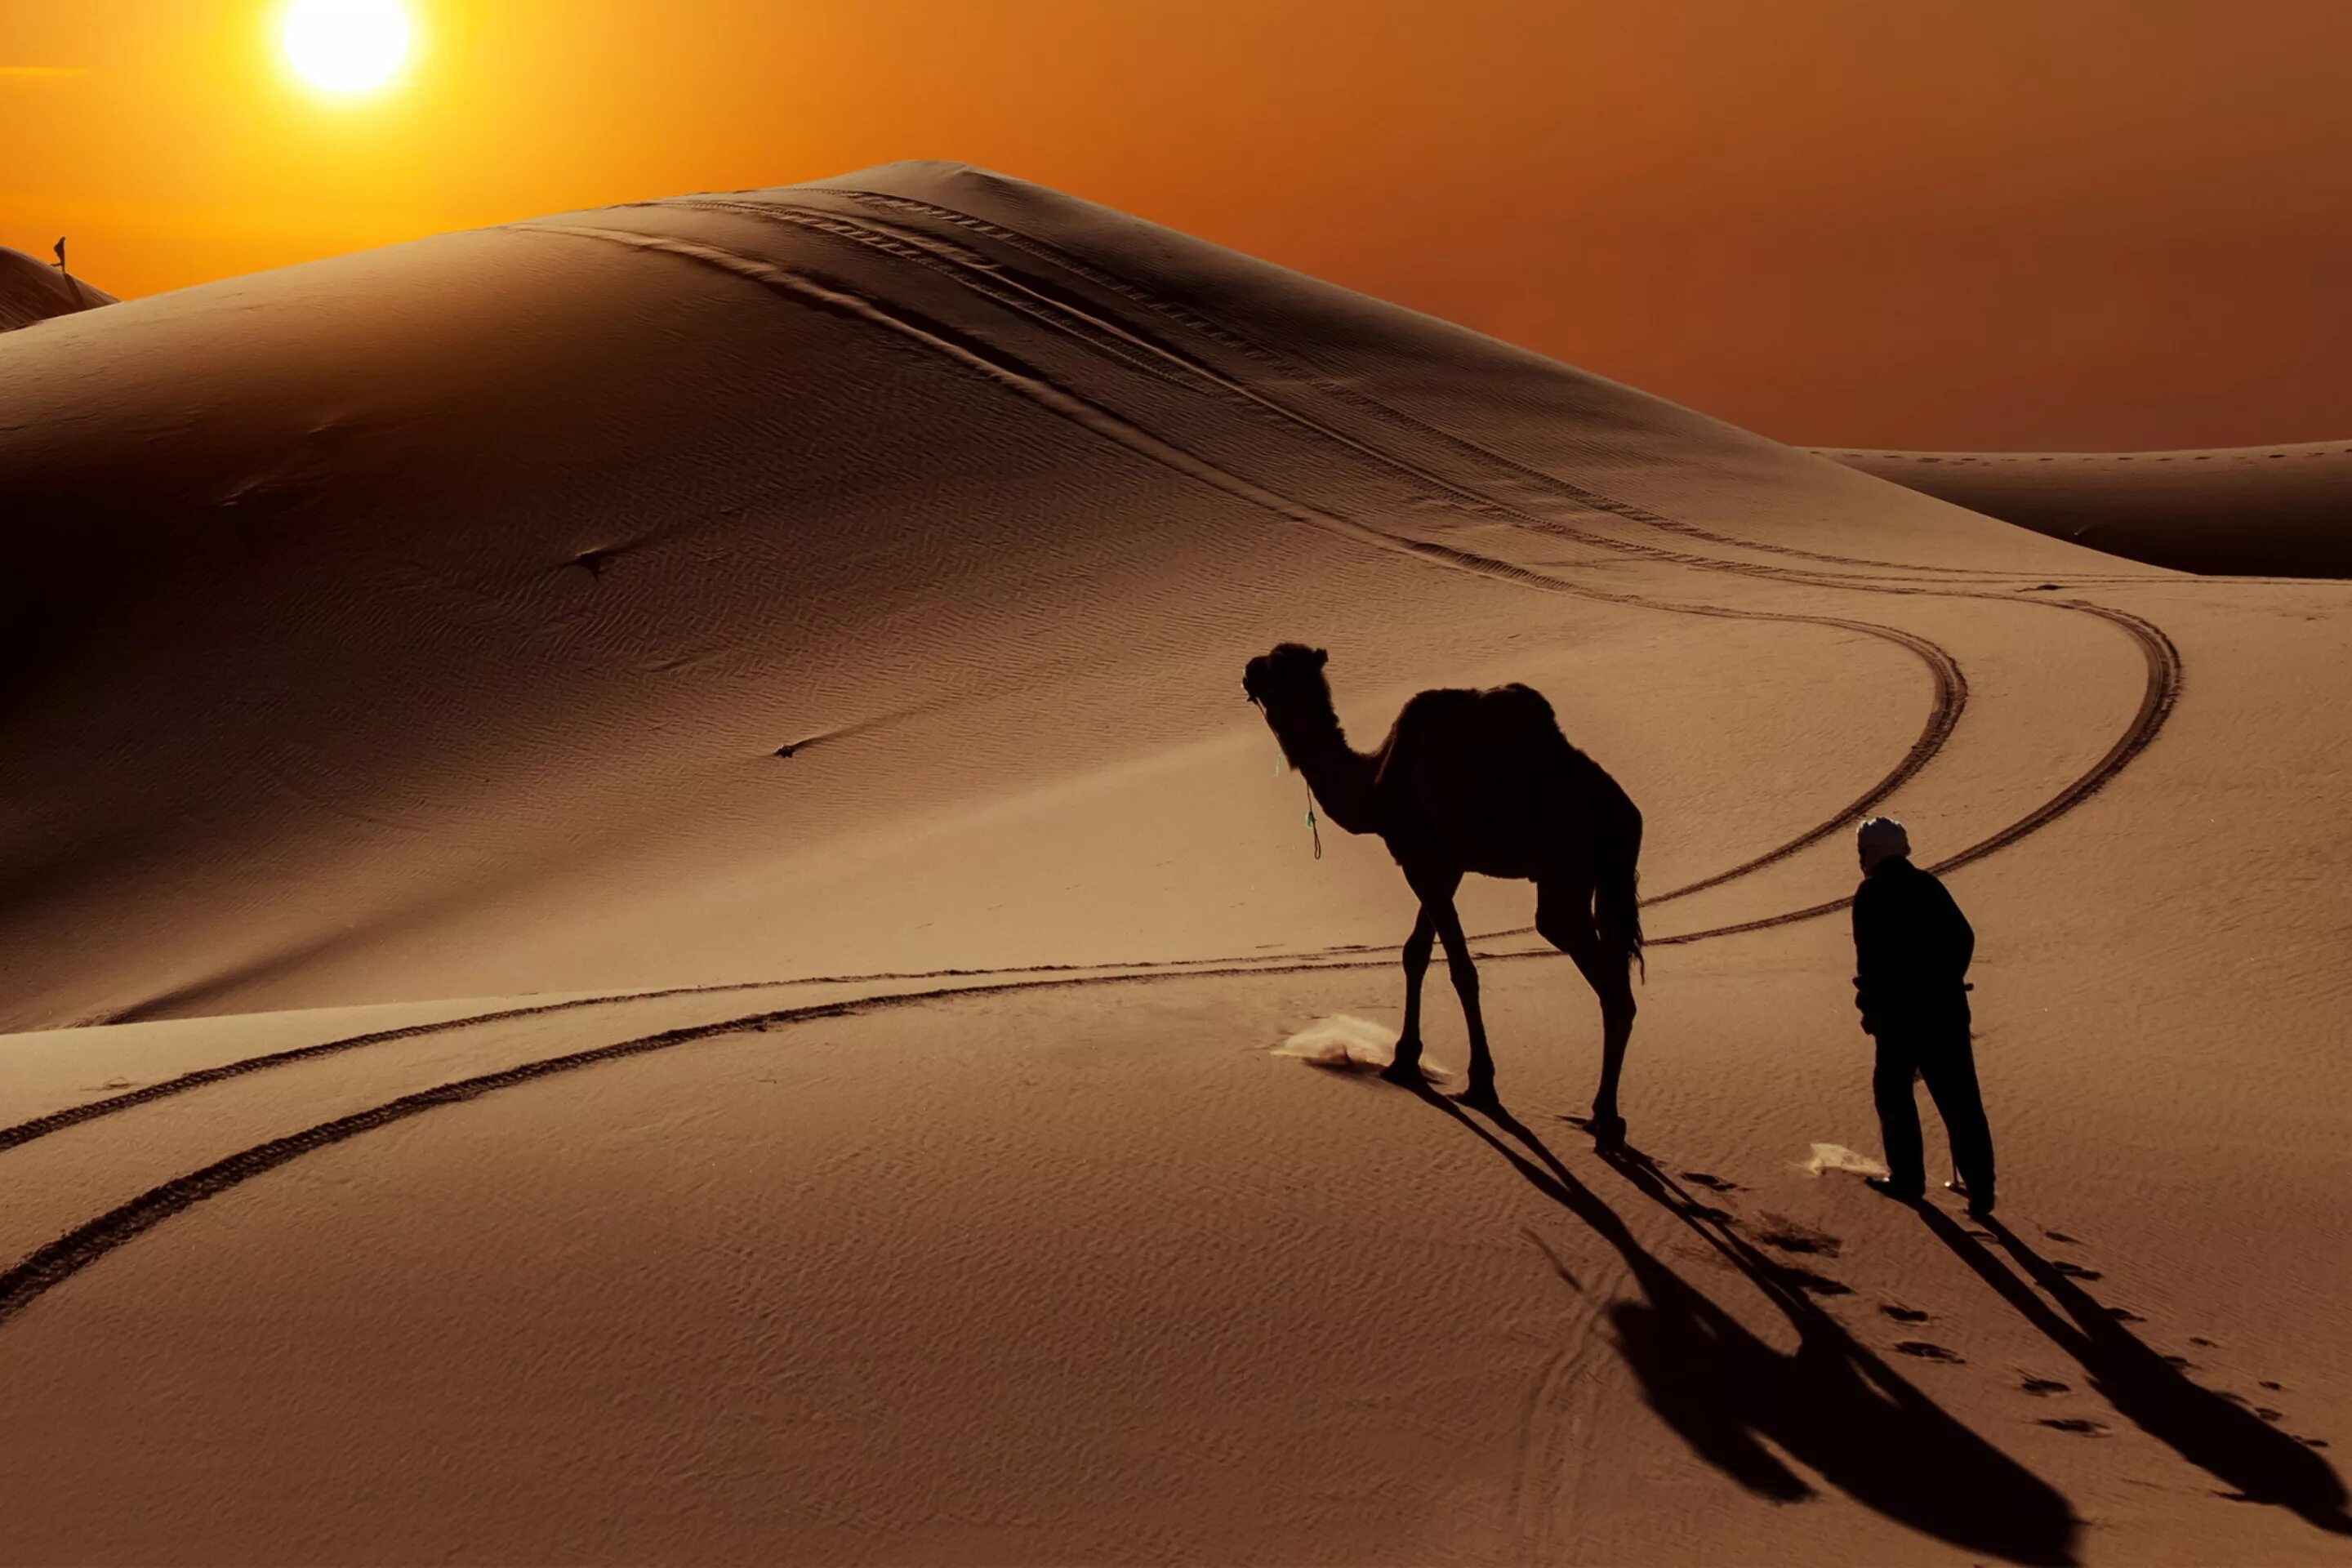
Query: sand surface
point(473, 1099)
point(32, 290)
point(2255, 511)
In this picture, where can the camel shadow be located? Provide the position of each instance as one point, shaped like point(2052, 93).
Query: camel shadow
point(2220, 1437)
point(1830, 1403)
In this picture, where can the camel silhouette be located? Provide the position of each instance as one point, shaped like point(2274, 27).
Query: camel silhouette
point(1477, 781)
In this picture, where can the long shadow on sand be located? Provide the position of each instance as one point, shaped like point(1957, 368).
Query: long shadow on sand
point(1830, 1404)
point(2215, 1434)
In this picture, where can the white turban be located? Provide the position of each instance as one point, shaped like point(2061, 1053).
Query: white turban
point(1881, 838)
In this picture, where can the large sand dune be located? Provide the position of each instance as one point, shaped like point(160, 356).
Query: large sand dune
point(2279, 511)
point(479, 1100)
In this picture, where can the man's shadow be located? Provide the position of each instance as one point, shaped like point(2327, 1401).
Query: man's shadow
point(2217, 1435)
point(1830, 1403)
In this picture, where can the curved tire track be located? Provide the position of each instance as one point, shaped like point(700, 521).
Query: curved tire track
point(1053, 309)
point(1951, 684)
point(1068, 316)
point(53, 1263)
point(50, 1264)
point(1949, 702)
point(2160, 655)
point(1128, 288)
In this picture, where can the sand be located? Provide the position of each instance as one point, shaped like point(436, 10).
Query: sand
point(32, 290)
point(475, 1099)
point(2255, 511)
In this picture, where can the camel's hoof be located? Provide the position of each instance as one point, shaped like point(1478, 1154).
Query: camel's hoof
point(1608, 1132)
point(1405, 1075)
point(1480, 1096)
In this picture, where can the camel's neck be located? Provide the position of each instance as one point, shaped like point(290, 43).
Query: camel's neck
point(1340, 776)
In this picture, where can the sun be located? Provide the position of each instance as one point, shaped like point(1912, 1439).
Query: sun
point(345, 46)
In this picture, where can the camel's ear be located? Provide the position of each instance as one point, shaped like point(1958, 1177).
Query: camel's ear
point(1321, 658)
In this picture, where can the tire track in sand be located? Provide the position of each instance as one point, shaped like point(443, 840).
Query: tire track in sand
point(1057, 310)
point(1129, 289)
point(56, 1262)
point(1067, 315)
point(1949, 700)
point(1951, 695)
point(2160, 692)
point(1951, 684)
point(60, 1259)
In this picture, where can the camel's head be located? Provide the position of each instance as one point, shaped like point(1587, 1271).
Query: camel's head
point(1288, 678)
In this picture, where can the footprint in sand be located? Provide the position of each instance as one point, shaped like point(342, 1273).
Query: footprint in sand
point(2076, 1271)
point(1903, 1314)
point(1814, 1284)
point(1927, 1352)
point(2042, 1387)
point(2124, 1315)
point(1712, 1183)
point(2087, 1428)
point(2202, 1343)
point(1790, 1235)
point(2273, 1388)
point(2180, 1363)
point(2062, 1236)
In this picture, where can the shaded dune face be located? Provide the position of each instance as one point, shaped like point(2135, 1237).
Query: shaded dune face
point(431, 621)
point(32, 290)
point(2276, 512)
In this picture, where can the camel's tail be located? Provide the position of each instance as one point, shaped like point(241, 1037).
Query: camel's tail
point(1617, 890)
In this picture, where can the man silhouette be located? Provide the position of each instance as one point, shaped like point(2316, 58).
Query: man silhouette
point(1911, 952)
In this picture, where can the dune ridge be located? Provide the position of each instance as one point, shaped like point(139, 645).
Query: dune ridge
point(32, 290)
point(2248, 511)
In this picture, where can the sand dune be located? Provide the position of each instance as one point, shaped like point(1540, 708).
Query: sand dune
point(777, 653)
point(33, 290)
point(2257, 511)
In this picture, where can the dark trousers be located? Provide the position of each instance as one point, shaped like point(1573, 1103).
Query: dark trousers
point(1938, 1051)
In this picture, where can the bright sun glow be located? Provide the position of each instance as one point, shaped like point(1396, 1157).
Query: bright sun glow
point(345, 46)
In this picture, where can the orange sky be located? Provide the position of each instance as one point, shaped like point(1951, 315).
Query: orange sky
point(1935, 223)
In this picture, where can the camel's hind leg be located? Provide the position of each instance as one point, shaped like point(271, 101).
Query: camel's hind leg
point(1564, 917)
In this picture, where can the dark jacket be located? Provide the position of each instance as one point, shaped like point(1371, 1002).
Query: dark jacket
point(1911, 949)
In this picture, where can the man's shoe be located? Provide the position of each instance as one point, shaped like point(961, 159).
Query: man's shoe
point(1979, 1205)
point(1884, 1186)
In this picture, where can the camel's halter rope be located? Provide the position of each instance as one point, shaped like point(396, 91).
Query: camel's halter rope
point(1282, 762)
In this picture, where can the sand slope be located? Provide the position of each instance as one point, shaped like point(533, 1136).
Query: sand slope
point(32, 290)
point(2279, 511)
point(424, 625)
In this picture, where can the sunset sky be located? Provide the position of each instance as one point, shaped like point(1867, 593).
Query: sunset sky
point(1982, 223)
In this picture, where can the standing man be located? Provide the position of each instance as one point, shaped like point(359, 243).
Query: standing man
point(1911, 952)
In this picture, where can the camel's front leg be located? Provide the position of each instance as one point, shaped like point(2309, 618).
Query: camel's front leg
point(1434, 885)
point(1405, 1069)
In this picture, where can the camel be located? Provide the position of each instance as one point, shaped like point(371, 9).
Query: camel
point(1477, 781)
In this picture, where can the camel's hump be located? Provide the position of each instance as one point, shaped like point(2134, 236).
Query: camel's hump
point(1489, 712)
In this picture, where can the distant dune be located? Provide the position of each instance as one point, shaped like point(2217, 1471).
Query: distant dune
point(33, 290)
point(646, 923)
point(2260, 511)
